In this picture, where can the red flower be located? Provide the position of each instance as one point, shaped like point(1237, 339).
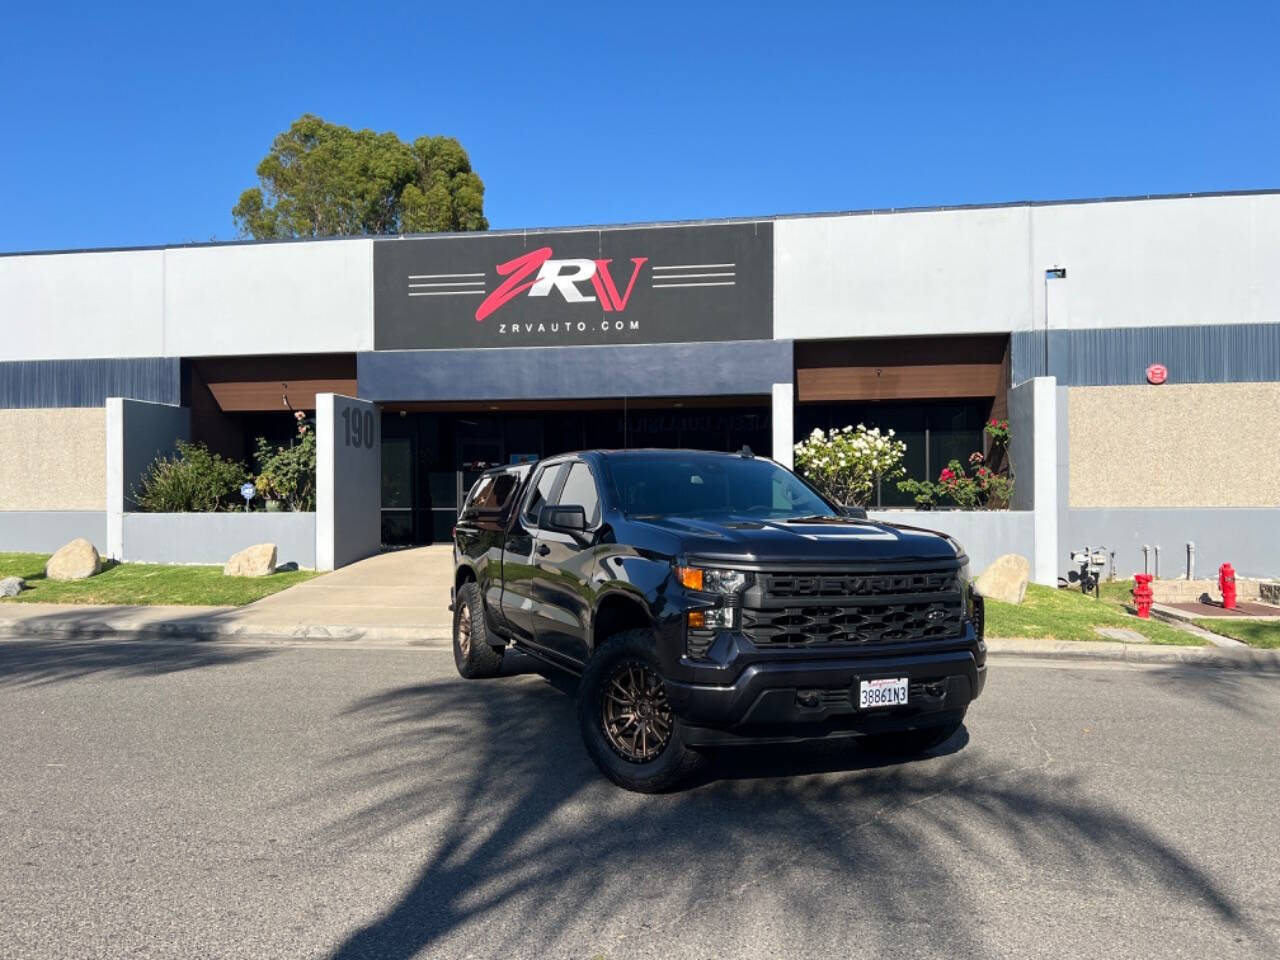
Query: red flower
point(947, 475)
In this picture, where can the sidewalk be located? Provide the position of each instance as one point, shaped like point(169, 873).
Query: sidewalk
point(400, 597)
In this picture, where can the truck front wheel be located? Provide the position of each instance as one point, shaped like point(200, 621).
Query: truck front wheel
point(472, 653)
point(625, 719)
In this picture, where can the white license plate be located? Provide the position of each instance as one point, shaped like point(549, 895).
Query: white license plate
point(882, 693)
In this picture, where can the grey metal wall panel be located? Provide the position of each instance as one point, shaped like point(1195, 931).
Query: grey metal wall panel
point(214, 537)
point(984, 534)
point(546, 373)
point(44, 531)
point(1212, 353)
point(88, 383)
point(1245, 537)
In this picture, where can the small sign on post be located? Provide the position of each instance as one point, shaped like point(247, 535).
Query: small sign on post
point(248, 491)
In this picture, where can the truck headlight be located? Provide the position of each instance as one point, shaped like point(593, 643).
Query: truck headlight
point(710, 580)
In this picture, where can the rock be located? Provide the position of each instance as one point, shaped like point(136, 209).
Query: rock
point(1006, 579)
point(78, 560)
point(11, 586)
point(256, 561)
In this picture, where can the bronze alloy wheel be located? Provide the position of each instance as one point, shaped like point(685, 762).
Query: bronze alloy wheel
point(464, 629)
point(635, 713)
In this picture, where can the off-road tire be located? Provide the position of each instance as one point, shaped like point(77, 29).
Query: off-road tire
point(632, 651)
point(910, 743)
point(472, 653)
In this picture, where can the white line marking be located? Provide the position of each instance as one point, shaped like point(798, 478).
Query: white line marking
point(691, 276)
point(441, 276)
point(448, 293)
point(660, 286)
point(451, 283)
point(693, 266)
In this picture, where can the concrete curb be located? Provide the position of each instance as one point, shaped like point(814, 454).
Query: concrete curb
point(1230, 658)
point(103, 623)
point(195, 630)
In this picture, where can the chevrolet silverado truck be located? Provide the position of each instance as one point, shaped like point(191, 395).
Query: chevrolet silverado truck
point(709, 599)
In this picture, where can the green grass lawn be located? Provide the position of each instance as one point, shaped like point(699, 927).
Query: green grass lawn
point(1256, 633)
point(143, 583)
point(1069, 615)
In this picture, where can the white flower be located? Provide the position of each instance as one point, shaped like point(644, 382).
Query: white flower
point(891, 432)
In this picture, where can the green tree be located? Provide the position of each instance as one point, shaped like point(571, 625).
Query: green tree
point(321, 179)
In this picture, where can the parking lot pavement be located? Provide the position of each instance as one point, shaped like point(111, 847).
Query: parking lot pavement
point(218, 800)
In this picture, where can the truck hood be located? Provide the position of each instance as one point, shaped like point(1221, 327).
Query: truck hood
point(818, 540)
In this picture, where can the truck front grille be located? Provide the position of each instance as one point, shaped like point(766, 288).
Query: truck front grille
point(853, 609)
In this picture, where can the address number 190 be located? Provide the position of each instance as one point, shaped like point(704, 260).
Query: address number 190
point(358, 427)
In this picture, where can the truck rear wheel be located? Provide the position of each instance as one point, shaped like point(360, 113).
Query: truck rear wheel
point(472, 654)
point(625, 719)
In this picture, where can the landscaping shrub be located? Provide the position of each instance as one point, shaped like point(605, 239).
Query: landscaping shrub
point(973, 487)
point(845, 463)
point(193, 481)
point(288, 473)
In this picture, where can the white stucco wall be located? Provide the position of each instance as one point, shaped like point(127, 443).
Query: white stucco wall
point(269, 298)
point(901, 274)
point(189, 301)
point(1194, 260)
point(1166, 262)
point(76, 305)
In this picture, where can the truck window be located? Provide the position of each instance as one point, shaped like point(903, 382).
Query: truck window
point(492, 494)
point(580, 490)
point(541, 490)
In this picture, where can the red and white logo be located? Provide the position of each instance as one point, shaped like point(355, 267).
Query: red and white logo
point(576, 280)
point(563, 276)
point(1157, 374)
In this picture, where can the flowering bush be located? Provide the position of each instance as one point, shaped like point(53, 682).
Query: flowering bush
point(975, 487)
point(846, 462)
point(289, 473)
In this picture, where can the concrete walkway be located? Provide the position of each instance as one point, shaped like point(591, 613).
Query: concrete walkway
point(394, 598)
point(401, 599)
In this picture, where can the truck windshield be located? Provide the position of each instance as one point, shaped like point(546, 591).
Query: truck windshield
point(711, 486)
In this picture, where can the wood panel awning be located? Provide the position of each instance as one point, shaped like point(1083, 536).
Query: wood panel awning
point(902, 368)
point(269, 384)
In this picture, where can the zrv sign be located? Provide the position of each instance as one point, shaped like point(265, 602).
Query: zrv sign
point(641, 285)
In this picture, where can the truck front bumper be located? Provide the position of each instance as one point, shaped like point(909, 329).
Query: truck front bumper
point(807, 699)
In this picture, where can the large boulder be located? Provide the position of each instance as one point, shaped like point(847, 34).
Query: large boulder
point(78, 560)
point(1006, 579)
point(256, 561)
point(11, 586)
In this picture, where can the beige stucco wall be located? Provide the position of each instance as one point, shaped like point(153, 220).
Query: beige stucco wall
point(1175, 445)
point(53, 459)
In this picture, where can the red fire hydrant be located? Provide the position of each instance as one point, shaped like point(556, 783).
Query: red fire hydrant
point(1143, 596)
point(1227, 584)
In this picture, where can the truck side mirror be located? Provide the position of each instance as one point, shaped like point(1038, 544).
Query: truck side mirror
point(563, 518)
point(856, 513)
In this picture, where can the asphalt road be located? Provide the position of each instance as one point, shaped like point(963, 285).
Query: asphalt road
point(206, 800)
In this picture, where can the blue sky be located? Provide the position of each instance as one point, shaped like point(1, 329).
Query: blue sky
point(127, 124)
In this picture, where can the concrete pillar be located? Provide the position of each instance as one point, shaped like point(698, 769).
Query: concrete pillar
point(138, 431)
point(115, 478)
point(1044, 448)
point(348, 480)
point(784, 423)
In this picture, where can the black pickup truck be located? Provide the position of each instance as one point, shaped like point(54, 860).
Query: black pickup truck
point(710, 599)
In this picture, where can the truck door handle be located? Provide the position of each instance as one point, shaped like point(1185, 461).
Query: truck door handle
point(543, 550)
